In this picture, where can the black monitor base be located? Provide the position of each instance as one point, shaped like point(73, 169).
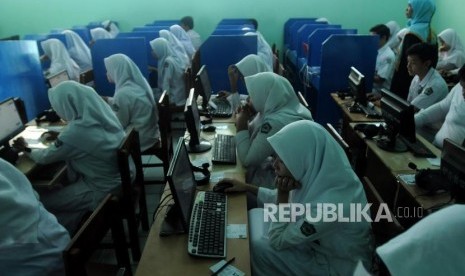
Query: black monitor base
point(390, 145)
point(203, 146)
point(172, 223)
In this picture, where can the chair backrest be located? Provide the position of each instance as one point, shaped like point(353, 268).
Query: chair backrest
point(130, 148)
point(339, 140)
point(302, 100)
point(91, 233)
point(164, 123)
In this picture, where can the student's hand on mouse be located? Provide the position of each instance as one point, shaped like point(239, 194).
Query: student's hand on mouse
point(286, 183)
point(238, 186)
point(20, 144)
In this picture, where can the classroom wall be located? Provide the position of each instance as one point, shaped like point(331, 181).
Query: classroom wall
point(26, 16)
point(450, 14)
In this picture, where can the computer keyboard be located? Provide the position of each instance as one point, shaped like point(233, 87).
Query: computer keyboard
point(224, 149)
point(223, 108)
point(207, 231)
point(418, 149)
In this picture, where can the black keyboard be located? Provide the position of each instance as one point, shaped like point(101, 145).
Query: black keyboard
point(224, 149)
point(207, 231)
point(418, 149)
point(223, 108)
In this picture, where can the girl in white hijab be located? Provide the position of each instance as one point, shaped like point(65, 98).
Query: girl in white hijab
point(184, 38)
point(78, 49)
point(99, 33)
point(31, 239)
point(133, 100)
point(88, 144)
point(263, 49)
point(177, 48)
point(433, 246)
point(273, 97)
point(59, 57)
point(170, 71)
point(311, 168)
point(111, 27)
point(394, 28)
point(451, 53)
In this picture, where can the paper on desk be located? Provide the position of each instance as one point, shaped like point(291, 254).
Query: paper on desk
point(434, 161)
point(230, 270)
point(223, 127)
point(408, 178)
point(236, 231)
point(215, 177)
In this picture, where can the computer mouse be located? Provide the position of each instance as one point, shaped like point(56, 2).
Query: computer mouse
point(49, 136)
point(209, 129)
point(221, 186)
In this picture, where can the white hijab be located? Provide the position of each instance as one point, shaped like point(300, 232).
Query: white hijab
point(433, 246)
point(184, 38)
point(251, 65)
point(162, 49)
point(100, 33)
point(78, 49)
point(59, 58)
point(19, 217)
point(456, 53)
point(177, 47)
point(393, 30)
point(113, 29)
point(91, 122)
point(274, 97)
point(263, 49)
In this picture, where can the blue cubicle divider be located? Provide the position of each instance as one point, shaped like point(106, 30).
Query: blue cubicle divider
point(339, 53)
point(250, 27)
point(218, 52)
point(61, 37)
point(94, 24)
point(148, 36)
point(305, 31)
point(289, 23)
point(21, 75)
point(166, 22)
point(155, 29)
point(230, 32)
point(83, 32)
point(132, 47)
point(315, 42)
point(234, 21)
point(41, 37)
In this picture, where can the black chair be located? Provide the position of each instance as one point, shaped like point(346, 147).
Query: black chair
point(132, 192)
point(87, 240)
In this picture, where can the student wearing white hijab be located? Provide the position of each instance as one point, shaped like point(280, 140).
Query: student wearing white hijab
point(133, 101)
point(111, 27)
point(88, 144)
point(99, 33)
point(451, 53)
point(78, 49)
point(263, 49)
point(31, 239)
point(310, 168)
point(182, 36)
point(170, 71)
point(433, 246)
point(393, 30)
point(59, 57)
point(177, 48)
point(273, 97)
point(187, 23)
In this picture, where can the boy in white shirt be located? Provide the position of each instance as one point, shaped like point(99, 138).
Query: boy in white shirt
point(384, 60)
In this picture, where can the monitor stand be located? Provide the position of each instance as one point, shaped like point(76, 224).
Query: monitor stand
point(172, 223)
point(391, 144)
point(203, 146)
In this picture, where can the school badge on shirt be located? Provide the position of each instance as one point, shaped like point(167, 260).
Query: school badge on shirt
point(266, 128)
point(307, 229)
point(428, 91)
point(58, 143)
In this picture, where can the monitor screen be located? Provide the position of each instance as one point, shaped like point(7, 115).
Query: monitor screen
point(11, 123)
point(399, 117)
point(182, 183)
point(357, 86)
point(453, 168)
point(203, 86)
point(192, 116)
point(57, 78)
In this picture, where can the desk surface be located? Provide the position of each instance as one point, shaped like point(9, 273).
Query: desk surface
point(168, 255)
point(353, 117)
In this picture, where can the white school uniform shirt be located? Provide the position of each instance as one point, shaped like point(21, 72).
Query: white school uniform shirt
point(31, 239)
point(170, 71)
point(454, 58)
point(433, 246)
point(451, 111)
point(133, 101)
point(195, 38)
point(385, 61)
point(78, 49)
point(60, 59)
point(176, 47)
point(263, 49)
point(332, 248)
point(430, 90)
point(184, 38)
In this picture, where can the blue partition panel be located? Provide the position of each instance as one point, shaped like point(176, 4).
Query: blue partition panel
point(21, 75)
point(56, 30)
point(234, 21)
point(230, 32)
point(94, 24)
point(148, 36)
point(218, 52)
point(235, 27)
point(83, 32)
point(306, 30)
point(289, 23)
point(60, 37)
point(166, 22)
point(339, 53)
point(155, 29)
point(132, 47)
point(315, 41)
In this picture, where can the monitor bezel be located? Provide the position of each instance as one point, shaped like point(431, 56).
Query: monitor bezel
point(357, 86)
point(404, 121)
point(192, 117)
point(200, 78)
point(4, 141)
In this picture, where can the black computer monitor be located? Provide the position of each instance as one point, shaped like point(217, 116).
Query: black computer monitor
point(182, 186)
point(11, 125)
point(453, 168)
point(203, 86)
point(357, 86)
point(192, 117)
point(399, 117)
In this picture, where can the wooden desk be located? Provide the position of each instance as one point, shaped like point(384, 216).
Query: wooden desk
point(168, 255)
point(352, 117)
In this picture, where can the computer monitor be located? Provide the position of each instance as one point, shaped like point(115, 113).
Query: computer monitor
point(11, 125)
point(55, 79)
point(399, 117)
point(182, 186)
point(192, 117)
point(453, 168)
point(203, 86)
point(357, 86)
